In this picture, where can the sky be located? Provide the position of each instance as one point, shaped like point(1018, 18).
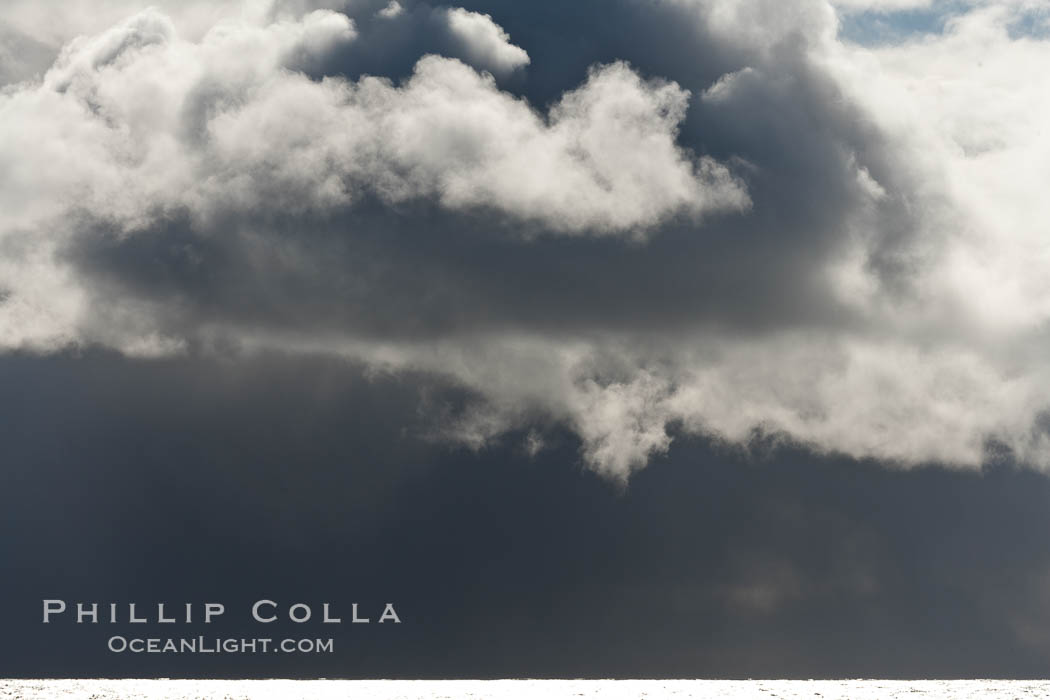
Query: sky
point(624, 338)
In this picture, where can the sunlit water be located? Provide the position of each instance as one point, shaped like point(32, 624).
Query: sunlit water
point(518, 689)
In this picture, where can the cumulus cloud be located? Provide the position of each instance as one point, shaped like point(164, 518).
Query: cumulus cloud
point(883, 400)
point(21, 56)
point(136, 125)
point(484, 41)
point(54, 23)
point(797, 237)
point(882, 5)
point(392, 10)
point(154, 123)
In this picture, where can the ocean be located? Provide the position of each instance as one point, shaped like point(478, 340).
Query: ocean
point(518, 689)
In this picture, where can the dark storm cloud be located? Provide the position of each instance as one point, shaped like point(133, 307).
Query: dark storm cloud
point(349, 250)
point(706, 215)
point(180, 480)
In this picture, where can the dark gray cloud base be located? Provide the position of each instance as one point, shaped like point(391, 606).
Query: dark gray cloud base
point(194, 480)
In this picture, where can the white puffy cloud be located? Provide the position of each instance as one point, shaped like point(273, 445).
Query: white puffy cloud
point(888, 400)
point(882, 5)
point(762, 24)
point(137, 121)
point(137, 124)
point(34, 31)
point(392, 10)
point(967, 110)
point(484, 42)
point(55, 22)
point(605, 161)
point(946, 7)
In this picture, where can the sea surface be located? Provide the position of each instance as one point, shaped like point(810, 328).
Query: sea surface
point(518, 689)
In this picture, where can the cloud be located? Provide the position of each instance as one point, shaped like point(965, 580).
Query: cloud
point(832, 394)
point(237, 127)
point(748, 228)
point(21, 56)
point(484, 41)
point(881, 5)
point(392, 10)
point(54, 23)
point(796, 551)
